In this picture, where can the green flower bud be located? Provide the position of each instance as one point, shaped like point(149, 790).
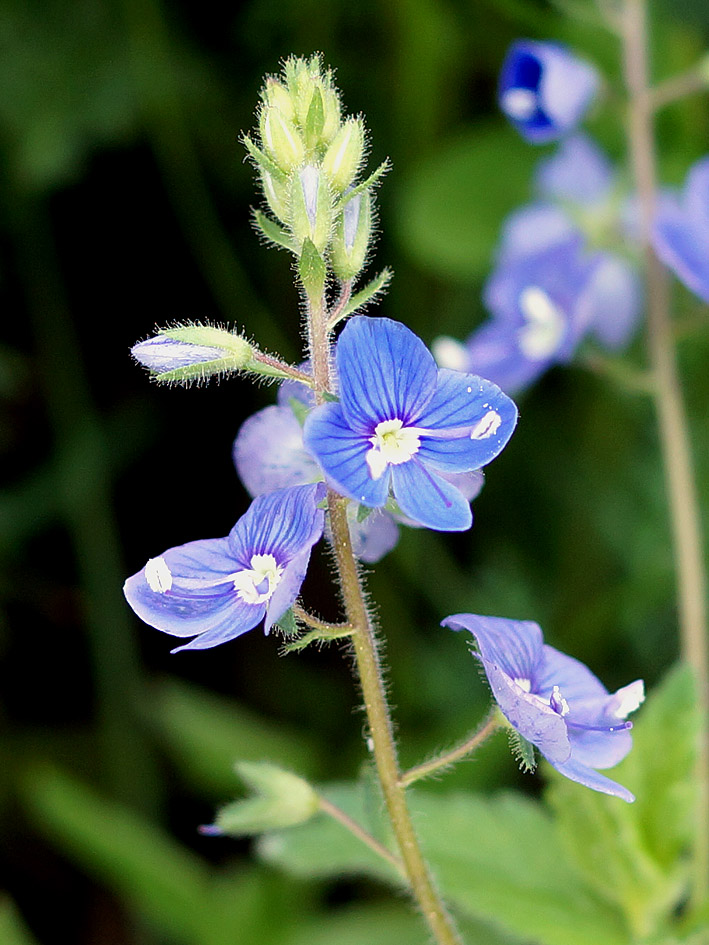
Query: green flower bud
point(344, 156)
point(353, 230)
point(311, 207)
point(332, 111)
point(281, 139)
point(275, 95)
point(276, 194)
point(280, 799)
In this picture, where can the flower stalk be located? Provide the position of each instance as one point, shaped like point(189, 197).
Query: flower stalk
point(671, 414)
point(491, 724)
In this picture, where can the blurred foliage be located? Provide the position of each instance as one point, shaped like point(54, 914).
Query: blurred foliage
point(125, 202)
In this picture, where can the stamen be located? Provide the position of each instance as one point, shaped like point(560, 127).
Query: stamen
point(158, 575)
point(519, 103)
point(392, 444)
point(542, 334)
point(255, 585)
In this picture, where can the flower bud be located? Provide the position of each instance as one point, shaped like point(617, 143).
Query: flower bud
point(275, 95)
point(353, 230)
point(276, 194)
point(343, 157)
point(193, 352)
point(281, 139)
point(311, 207)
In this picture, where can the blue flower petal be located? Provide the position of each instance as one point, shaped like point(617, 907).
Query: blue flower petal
point(374, 537)
point(385, 372)
point(695, 197)
point(269, 453)
point(532, 229)
point(288, 589)
point(341, 452)
point(615, 299)
point(280, 523)
point(516, 646)
point(576, 771)
point(429, 499)
point(466, 402)
point(573, 677)
point(683, 247)
point(241, 618)
point(579, 172)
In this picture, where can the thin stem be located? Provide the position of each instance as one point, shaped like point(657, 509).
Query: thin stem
point(336, 313)
point(295, 373)
point(381, 730)
point(358, 831)
point(491, 725)
point(315, 623)
point(678, 87)
point(672, 420)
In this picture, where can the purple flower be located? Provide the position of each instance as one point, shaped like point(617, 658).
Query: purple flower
point(577, 173)
point(545, 90)
point(218, 588)
point(554, 701)
point(681, 231)
point(401, 424)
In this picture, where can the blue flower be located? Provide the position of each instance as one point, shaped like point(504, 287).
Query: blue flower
point(401, 424)
point(554, 701)
point(681, 231)
point(218, 588)
point(545, 90)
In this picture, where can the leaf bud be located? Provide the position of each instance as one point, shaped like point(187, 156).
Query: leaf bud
point(344, 155)
point(353, 230)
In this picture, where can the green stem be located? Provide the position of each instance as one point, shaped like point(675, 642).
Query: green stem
point(358, 831)
point(491, 725)
point(672, 420)
point(678, 87)
point(315, 623)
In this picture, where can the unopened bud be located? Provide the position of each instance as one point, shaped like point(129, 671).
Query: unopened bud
point(311, 207)
point(353, 230)
point(343, 158)
point(275, 95)
point(276, 194)
point(193, 352)
point(281, 139)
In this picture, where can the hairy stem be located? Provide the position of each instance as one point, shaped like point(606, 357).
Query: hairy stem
point(672, 420)
point(489, 726)
point(358, 831)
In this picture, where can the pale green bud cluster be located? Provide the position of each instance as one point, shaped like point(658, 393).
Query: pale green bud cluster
point(309, 159)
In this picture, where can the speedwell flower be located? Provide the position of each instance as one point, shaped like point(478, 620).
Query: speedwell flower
point(401, 424)
point(218, 588)
point(545, 90)
point(681, 233)
point(554, 701)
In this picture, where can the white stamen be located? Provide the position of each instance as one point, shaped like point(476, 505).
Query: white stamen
point(541, 336)
point(392, 444)
point(257, 584)
point(486, 427)
point(158, 575)
point(519, 103)
point(558, 702)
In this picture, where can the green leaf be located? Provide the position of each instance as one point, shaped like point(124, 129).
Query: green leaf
point(495, 859)
point(453, 203)
point(370, 181)
point(312, 270)
point(634, 854)
point(13, 930)
point(300, 409)
point(206, 734)
point(142, 865)
point(263, 160)
point(273, 231)
point(287, 623)
point(365, 295)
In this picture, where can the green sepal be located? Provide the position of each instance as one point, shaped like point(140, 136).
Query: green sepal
point(365, 295)
point(300, 410)
point(273, 232)
point(315, 120)
point(280, 799)
point(373, 178)
point(263, 160)
point(287, 624)
point(363, 512)
point(312, 270)
point(523, 751)
point(330, 398)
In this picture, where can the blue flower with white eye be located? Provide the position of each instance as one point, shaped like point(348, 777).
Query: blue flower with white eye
point(218, 588)
point(401, 425)
point(554, 701)
point(681, 231)
point(544, 90)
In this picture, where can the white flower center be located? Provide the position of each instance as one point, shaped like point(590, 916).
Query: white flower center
point(392, 444)
point(519, 103)
point(541, 336)
point(523, 684)
point(158, 575)
point(257, 584)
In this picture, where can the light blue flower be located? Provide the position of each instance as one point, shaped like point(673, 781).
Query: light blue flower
point(401, 424)
point(218, 588)
point(545, 90)
point(681, 231)
point(554, 701)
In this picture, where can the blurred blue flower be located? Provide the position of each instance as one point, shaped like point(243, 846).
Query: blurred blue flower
point(554, 701)
point(218, 588)
point(681, 231)
point(401, 424)
point(545, 90)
